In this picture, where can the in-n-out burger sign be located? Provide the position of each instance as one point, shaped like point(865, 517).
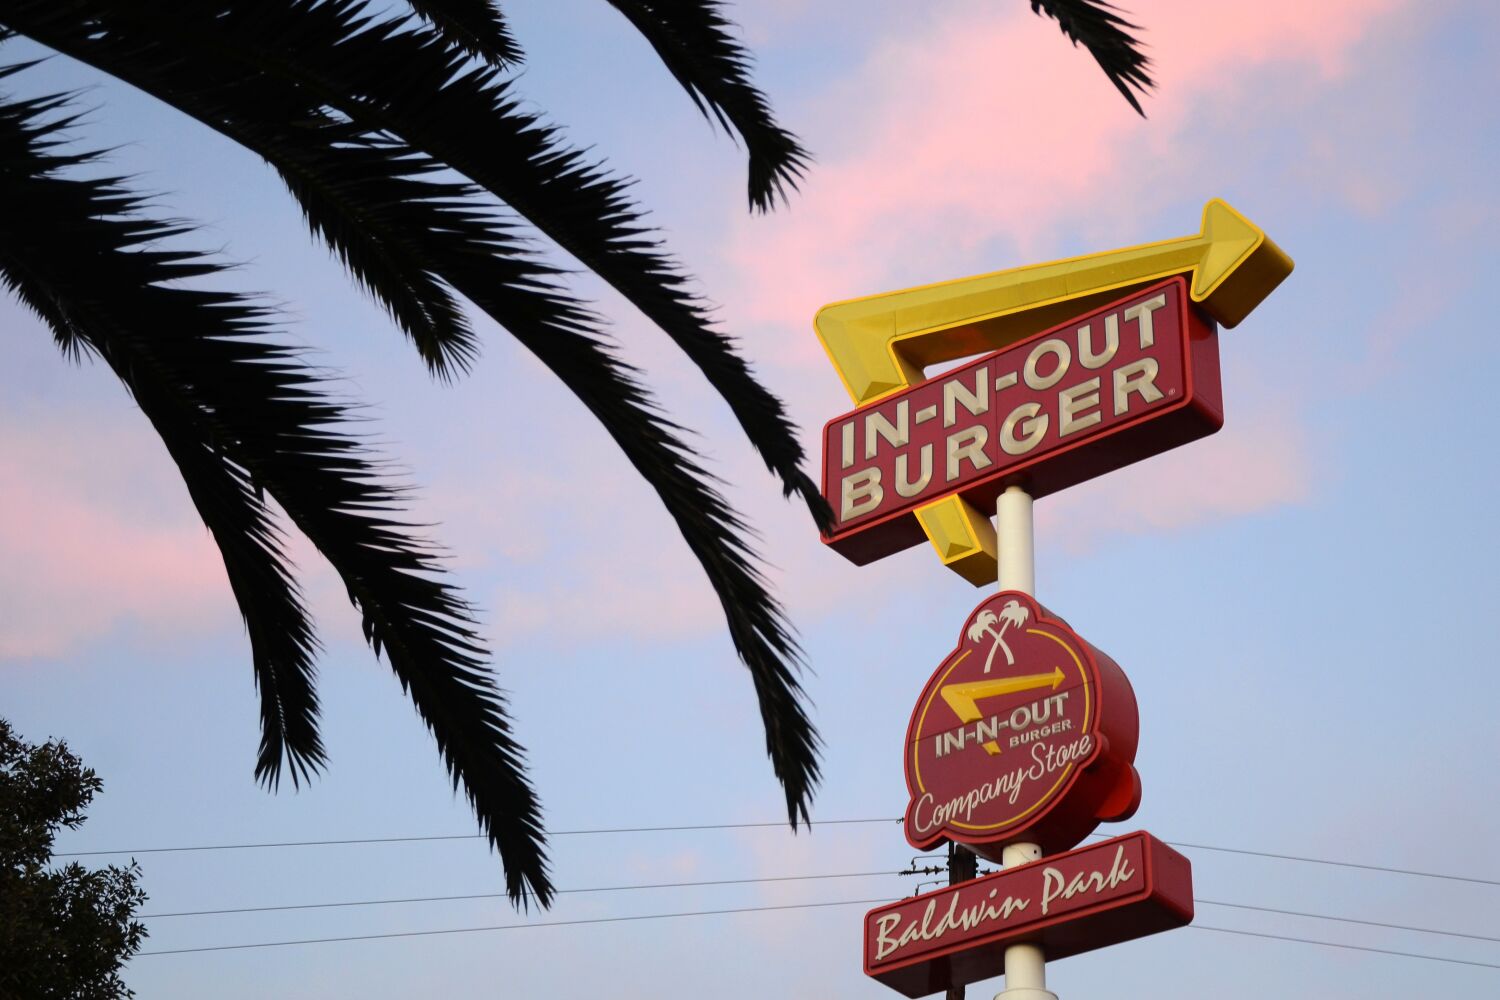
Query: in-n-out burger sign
point(1098, 895)
point(1025, 732)
point(1025, 735)
point(1128, 380)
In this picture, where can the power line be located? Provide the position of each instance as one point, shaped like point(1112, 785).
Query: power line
point(1346, 920)
point(769, 879)
point(1350, 947)
point(754, 909)
point(501, 895)
point(461, 836)
point(1474, 880)
point(1339, 864)
point(517, 927)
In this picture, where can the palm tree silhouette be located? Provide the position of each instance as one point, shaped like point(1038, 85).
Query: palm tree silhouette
point(1011, 614)
point(403, 141)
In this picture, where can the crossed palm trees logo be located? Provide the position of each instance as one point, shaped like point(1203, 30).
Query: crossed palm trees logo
point(984, 624)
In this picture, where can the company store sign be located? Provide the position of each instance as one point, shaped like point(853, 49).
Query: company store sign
point(1024, 732)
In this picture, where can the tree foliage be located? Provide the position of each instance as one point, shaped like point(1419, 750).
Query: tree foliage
point(64, 932)
point(399, 133)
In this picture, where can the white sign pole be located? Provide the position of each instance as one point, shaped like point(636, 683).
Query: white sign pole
point(1017, 556)
point(1025, 965)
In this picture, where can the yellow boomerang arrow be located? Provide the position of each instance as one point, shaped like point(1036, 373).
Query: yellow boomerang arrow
point(964, 698)
point(880, 344)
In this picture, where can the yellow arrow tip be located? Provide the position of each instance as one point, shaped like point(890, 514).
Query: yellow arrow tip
point(1240, 264)
point(1057, 678)
point(1231, 238)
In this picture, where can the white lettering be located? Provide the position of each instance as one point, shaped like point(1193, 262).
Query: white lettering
point(1086, 355)
point(976, 402)
point(904, 486)
point(1074, 401)
point(1055, 885)
point(962, 915)
point(883, 943)
point(1058, 349)
point(860, 493)
point(1033, 428)
point(878, 426)
point(1139, 377)
point(967, 443)
point(929, 814)
point(1143, 313)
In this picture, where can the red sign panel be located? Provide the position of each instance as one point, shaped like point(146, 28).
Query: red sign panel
point(1090, 898)
point(1025, 732)
point(1126, 381)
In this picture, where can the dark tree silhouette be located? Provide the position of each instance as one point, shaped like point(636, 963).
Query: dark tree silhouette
point(64, 932)
point(402, 139)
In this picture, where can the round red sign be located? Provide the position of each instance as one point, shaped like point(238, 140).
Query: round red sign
point(1025, 733)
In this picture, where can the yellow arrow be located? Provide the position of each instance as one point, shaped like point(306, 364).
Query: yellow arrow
point(881, 344)
point(964, 698)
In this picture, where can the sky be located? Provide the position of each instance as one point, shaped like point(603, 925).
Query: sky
point(1302, 601)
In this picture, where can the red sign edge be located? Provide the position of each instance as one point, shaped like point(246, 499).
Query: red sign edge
point(1200, 372)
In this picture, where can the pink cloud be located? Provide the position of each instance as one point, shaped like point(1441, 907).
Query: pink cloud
point(98, 534)
point(1258, 461)
point(988, 126)
point(607, 562)
point(775, 853)
point(981, 125)
point(94, 536)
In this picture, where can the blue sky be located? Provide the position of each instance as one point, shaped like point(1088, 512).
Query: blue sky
point(1302, 602)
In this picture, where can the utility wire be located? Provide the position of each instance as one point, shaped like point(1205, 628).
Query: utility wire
point(501, 895)
point(1349, 947)
point(517, 927)
point(774, 878)
point(1347, 920)
point(1340, 864)
point(1474, 880)
point(754, 909)
point(462, 836)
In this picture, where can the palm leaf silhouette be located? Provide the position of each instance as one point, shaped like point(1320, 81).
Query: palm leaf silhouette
point(407, 148)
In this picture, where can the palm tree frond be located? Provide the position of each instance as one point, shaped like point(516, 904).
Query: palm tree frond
point(693, 39)
point(281, 636)
point(486, 263)
point(82, 254)
point(273, 119)
point(344, 196)
point(402, 79)
point(476, 26)
point(1095, 25)
point(406, 215)
point(612, 391)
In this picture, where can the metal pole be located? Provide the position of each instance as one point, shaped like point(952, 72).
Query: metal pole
point(962, 866)
point(1025, 965)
